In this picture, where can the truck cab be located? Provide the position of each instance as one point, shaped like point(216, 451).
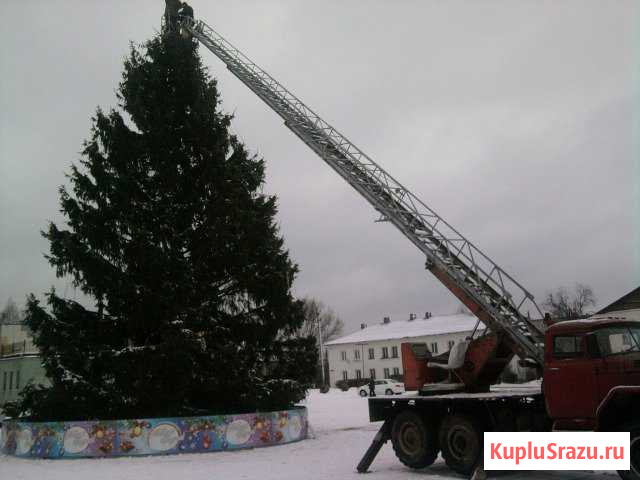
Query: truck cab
point(591, 374)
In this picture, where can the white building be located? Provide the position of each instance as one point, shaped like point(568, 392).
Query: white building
point(627, 306)
point(374, 351)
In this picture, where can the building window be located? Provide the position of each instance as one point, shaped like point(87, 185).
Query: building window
point(386, 373)
point(396, 371)
point(358, 374)
point(10, 380)
point(345, 375)
point(450, 344)
point(394, 352)
point(434, 347)
point(356, 354)
point(385, 352)
point(343, 355)
point(372, 373)
point(18, 380)
point(372, 353)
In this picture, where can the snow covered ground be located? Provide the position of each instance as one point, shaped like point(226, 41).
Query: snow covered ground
point(342, 434)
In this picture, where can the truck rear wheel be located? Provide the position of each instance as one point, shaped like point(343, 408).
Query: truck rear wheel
point(634, 457)
point(461, 441)
point(413, 440)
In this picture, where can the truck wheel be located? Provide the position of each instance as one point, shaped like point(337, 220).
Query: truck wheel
point(461, 441)
point(634, 456)
point(413, 440)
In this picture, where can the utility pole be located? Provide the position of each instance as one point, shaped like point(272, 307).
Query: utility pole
point(324, 381)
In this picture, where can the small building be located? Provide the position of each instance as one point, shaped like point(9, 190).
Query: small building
point(16, 372)
point(20, 361)
point(627, 306)
point(374, 351)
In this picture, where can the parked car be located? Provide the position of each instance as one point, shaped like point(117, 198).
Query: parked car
point(385, 386)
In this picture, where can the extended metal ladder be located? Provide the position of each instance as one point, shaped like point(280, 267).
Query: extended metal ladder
point(499, 300)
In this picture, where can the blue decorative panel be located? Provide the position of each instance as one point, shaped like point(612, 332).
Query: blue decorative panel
point(157, 436)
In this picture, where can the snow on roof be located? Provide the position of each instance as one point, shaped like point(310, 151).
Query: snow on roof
point(436, 325)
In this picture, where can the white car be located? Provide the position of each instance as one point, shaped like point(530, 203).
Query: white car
point(385, 386)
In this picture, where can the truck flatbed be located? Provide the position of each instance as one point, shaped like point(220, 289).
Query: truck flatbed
point(379, 405)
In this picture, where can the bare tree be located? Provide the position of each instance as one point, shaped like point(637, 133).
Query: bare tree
point(10, 314)
point(315, 311)
point(584, 298)
point(564, 305)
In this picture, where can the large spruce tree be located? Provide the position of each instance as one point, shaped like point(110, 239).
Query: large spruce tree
point(168, 231)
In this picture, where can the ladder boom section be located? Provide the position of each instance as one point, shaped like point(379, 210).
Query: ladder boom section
point(498, 299)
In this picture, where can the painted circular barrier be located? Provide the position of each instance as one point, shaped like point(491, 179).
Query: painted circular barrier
point(158, 436)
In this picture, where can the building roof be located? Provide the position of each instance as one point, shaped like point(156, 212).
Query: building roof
point(630, 301)
point(420, 327)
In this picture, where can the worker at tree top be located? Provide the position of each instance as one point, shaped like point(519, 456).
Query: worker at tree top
point(186, 10)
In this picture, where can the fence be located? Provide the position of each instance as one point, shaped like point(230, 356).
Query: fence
point(18, 348)
point(159, 436)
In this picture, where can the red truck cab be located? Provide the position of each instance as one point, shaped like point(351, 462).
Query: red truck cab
point(592, 373)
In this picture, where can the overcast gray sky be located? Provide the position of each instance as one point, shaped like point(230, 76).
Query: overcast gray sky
point(513, 119)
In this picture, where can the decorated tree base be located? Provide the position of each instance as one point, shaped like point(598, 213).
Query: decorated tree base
point(158, 436)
